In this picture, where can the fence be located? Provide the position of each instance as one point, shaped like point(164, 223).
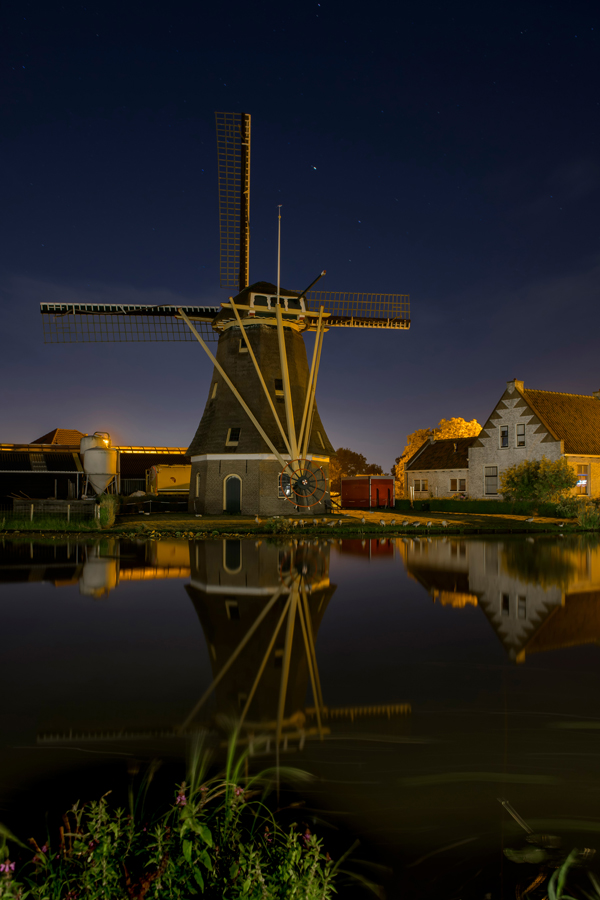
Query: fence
point(69, 510)
point(129, 485)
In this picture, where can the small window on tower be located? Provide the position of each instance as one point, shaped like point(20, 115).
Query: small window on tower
point(243, 348)
point(214, 390)
point(233, 437)
point(279, 387)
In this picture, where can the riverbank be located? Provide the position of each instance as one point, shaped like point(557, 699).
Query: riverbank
point(348, 523)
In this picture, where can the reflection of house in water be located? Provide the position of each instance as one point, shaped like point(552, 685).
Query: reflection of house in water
point(231, 584)
point(96, 566)
point(538, 594)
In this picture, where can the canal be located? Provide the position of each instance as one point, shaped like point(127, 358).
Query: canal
point(424, 680)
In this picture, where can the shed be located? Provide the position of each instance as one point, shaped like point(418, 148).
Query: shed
point(368, 492)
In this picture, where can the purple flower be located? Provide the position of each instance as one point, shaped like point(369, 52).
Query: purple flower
point(239, 791)
point(181, 800)
point(44, 848)
point(7, 867)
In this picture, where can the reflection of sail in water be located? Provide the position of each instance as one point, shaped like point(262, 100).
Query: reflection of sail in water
point(260, 606)
point(538, 594)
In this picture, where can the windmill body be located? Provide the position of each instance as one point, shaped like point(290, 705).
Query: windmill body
point(260, 444)
point(233, 468)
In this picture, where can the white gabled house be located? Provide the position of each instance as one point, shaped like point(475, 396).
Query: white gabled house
point(529, 424)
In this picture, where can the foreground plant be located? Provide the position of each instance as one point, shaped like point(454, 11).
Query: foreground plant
point(217, 839)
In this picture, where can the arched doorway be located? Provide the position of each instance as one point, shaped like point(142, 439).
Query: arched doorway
point(232, 499)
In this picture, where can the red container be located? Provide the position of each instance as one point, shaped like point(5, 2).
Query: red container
point(368, 492)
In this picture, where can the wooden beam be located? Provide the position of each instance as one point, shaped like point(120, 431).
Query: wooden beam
point(236, 393)
point(285, 377)
point(260, 377)
point(308, 426)
point(310, 380)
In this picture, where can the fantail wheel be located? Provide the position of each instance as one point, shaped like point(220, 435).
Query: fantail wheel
point(303, 483)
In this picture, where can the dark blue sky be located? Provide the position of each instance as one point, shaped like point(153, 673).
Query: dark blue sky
point(446, 150)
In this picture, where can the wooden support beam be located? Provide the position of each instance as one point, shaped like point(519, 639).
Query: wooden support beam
point(236, 393)
point(260, 377)
point(310, 380)
point(308, 425)
point(285, 377)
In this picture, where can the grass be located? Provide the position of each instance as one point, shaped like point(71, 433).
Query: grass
point(216, 837)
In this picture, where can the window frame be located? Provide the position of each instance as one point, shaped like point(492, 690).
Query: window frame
point(487, 493)
point(235, 442)
point(585, 474)
point(517, 426)
point(454, 481)
point(503, 430)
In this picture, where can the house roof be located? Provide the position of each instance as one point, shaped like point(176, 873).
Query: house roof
point(450, 453)
point(572, 418)
point(64, 436)
point(575, 623)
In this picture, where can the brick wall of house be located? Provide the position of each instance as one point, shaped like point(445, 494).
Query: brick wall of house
point(511, 410)
point(438, 482)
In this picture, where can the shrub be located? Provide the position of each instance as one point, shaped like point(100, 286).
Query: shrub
point(537, 479)
point(109, 507)
point(568, 508)
point(216, 837)
point(588, 516)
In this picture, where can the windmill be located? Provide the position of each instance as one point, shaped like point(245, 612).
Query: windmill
point(260, 444)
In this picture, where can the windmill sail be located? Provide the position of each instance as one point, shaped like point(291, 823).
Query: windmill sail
point(233, 152)
point(77, 323)
point(347, 310)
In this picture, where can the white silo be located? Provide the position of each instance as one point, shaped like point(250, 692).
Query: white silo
point(99, 460)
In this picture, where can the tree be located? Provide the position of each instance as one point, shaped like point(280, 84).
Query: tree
point(447, 428)
point(347, 462)
point(537, 479)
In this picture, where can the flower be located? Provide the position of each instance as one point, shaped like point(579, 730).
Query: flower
point(239, 791)
point(181, 800)
point(7, 866)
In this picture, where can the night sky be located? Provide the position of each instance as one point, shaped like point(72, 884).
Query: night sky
point(445, 150)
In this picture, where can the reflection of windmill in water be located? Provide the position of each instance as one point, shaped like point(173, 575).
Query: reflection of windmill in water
point(260, 606)
point(260, 441)
point(538, 594)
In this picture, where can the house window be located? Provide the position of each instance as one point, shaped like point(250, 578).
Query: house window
point(197, 484)
point(233, 437)
point(242, 348)
point(420, 485)
point(504, 435)
point(582, 479)
point(462, 484)
point(214, 390)
point(520, 435)
point(505, 605)
point(453, 484)
point(521, 606)
point(491, 479)
point(279, 387)
point(284, 487)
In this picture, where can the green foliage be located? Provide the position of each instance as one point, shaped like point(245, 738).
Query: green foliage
point(347, 463)
point(48, 523)
point(482, 507)
point(568, 507)
point(538, 479)
point(216, 838)
point(588, 516)
point(544, 563)
point(109, 508)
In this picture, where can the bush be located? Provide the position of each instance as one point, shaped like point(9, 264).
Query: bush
point(216, 837)
point(109, 507)
point(538, 479)
point(588, 516)
point(568, 507)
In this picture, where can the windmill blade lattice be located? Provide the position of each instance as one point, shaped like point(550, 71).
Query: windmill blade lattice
point(356, 310)
point(233, 156)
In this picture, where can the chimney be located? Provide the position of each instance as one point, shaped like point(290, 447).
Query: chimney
point(596, 394)
point(513, 385)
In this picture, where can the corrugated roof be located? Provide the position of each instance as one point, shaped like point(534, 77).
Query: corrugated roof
point(65, 436)
point(450, 453)
point(573, 418)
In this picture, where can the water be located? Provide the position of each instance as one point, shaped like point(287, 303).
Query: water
point(452, 672)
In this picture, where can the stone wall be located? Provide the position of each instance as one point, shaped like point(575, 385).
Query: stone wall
point(438, 482)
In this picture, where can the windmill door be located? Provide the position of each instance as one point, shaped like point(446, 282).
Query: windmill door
point(233, 495)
